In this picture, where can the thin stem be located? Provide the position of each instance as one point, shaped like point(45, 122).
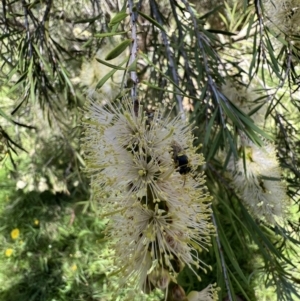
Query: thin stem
point(188, 70)
point(27, 27)
point(4, 15)
point(288, 69)
point(170, 58)
point(200, 39)
point(134, 50)
point(222, 259)
point(199, 42)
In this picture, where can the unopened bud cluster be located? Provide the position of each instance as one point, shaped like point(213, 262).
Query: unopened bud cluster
point(145, 174)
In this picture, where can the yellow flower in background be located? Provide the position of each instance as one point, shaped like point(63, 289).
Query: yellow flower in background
point(36, 222)
point(15, 233)
point(8, 252)
point(74, 267)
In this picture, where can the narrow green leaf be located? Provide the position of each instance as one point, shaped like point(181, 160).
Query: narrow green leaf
point(260, 238)
point(120, 16)
point(274, 61)
point(211, 12)
point(220, 272)
point(19, 105)
point(257, 108)
point(166, 90)
point(228, 250)
point(239, 285)
point(110, 65)
point(31, 80)
point(215, 245)
point(2, 113)
point(213, 148)
point(87, 20)
point(225, 104)
point(230, 139)
point(118, 50)
point(254, 127)
point(155, 23)
point(226, 33)
point(18, 83)
point(224, 19)
point(162, 73)
point(209, 126)
point(278, 37)
point(45, 65)
point(66, 77)
point(32, 88)
point(255, 56)
point(87, 43)
point(133, 65)
point(104, 79)
point(237, 217)
point(286, 234)
point(3, 36)
point(251, 21)
point(109, 34)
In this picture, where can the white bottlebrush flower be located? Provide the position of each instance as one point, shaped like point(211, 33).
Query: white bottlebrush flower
point(258, 181)
point(92, 71)
point(210, 293)
point(144, 174)
point(283, 16)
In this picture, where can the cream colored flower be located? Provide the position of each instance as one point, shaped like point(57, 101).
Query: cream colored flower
point(283, 19)
point(258, 181)
point(120, 146)
point(143, 169)
point(210, 293)
point(283, 16)
point(141, 232)
point(92, 72)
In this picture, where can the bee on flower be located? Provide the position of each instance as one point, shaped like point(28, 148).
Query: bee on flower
point(137, 175)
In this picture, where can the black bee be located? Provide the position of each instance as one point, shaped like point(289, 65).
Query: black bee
point(182, 163)
point(180, 159)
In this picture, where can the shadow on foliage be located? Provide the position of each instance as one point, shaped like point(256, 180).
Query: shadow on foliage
point(44, 232)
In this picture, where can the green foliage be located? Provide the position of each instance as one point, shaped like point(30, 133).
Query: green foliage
point(187, 56)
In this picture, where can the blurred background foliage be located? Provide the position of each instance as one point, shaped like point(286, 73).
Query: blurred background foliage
point(223, 63)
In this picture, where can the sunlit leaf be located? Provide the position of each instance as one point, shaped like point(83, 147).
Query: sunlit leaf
point(109, 34)
point(118, 50)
